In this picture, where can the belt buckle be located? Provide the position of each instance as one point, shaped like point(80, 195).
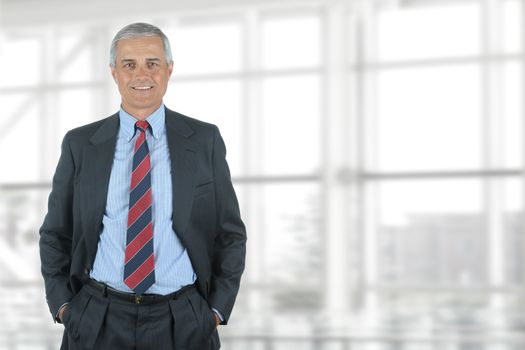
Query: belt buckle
point(138, 299)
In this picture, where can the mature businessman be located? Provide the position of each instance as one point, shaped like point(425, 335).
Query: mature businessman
point(143, 245)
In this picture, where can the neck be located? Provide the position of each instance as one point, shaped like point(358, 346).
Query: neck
point(140, 114)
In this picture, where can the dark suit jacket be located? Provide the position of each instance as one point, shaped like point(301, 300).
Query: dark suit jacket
point(205, 209)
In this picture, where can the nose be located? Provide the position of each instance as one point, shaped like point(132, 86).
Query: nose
point(141, 71)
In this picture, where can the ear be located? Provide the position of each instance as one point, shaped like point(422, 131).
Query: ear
point(113, 73)
point(170, 69)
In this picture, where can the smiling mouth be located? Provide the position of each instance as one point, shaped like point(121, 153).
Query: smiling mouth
point(142, 88)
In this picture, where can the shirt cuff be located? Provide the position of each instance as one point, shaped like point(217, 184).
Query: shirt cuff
point(218, 313)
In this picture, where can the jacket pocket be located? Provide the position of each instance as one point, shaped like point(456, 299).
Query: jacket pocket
point(203, 189)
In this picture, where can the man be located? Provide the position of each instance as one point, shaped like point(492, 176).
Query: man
point(143, 246)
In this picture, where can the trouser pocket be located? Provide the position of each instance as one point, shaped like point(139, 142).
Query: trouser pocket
point(83, 319)
point(74, 312)
point(192, 322)
point(92, 321)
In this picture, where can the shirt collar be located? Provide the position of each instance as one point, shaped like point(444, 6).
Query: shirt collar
point(156, 121)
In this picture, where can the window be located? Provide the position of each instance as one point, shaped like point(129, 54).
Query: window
point(443, 166)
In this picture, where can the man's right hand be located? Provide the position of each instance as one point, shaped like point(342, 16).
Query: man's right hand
point(61, 313)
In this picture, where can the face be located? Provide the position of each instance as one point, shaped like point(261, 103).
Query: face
point(142, 74)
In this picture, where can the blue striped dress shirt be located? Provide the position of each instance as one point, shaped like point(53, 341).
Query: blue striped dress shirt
point(173, 268)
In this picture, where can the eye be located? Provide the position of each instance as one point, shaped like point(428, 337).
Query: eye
point(152, 64)
point(129, 65)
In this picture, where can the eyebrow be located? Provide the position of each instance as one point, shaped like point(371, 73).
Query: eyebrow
point(128, 60)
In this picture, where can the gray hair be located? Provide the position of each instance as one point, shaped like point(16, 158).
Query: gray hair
point(137, 30)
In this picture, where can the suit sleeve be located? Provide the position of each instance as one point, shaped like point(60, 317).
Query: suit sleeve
point(56, 233)
point(230, 242)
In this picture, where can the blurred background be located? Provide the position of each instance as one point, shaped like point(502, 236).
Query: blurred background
point(376, 147)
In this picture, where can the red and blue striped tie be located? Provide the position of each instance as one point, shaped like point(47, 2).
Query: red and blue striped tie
point(139, 267)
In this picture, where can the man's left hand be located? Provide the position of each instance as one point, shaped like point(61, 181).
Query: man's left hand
point(217, 320)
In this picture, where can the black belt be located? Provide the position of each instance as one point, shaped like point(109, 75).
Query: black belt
point(138, 299)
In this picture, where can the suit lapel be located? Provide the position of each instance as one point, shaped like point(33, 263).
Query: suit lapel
point(183, 166)
point(97, 161)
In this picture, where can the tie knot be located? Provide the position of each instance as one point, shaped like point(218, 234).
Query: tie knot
point(142, 125)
